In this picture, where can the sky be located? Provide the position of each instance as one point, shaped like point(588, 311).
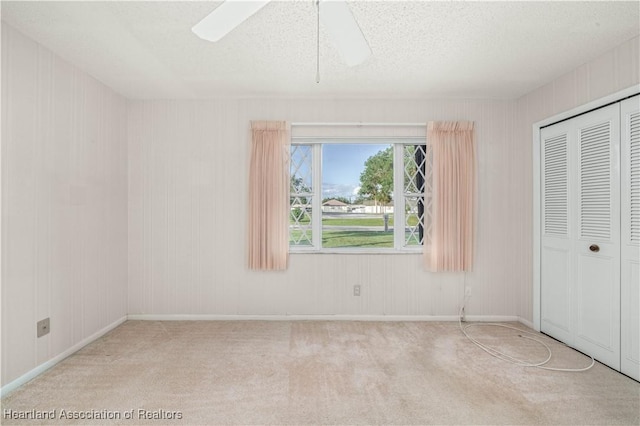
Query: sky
point(342, 165)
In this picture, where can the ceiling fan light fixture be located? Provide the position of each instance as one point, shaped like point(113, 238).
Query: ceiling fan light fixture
point(226, 17)
point(344, 31)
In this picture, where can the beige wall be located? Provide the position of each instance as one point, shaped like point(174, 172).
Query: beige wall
point(187, 217)
point(64, 205)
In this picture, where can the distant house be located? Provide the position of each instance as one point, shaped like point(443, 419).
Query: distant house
point(335, 206)
point(370, 207)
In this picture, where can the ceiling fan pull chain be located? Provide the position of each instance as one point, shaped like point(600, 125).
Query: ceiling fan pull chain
point(318, 43)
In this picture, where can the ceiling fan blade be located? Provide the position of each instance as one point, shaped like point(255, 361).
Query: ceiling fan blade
point(345, 32)
point(226, 17)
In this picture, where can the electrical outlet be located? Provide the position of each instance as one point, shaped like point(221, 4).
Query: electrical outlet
point(356, 290)
point(43, 327)
point(467, 291)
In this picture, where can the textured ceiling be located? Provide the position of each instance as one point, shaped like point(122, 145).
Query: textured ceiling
point(146, 50)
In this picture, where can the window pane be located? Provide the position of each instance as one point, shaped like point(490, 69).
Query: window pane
point(415, 160)
point(301, 166)
point(300, 225)
point(414, 168)
point(357, 192)
point(414, 215)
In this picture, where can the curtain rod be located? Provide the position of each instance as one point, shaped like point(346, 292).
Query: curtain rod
point(357, 124)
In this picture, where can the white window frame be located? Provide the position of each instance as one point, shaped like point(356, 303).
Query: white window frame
point(398, 188)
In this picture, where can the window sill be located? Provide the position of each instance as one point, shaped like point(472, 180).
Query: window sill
point(357, 251)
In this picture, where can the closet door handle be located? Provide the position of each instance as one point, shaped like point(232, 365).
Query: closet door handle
point(594, 248)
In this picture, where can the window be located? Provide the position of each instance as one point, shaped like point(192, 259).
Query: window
point(359, 195)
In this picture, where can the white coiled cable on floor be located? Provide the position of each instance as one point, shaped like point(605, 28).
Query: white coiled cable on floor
point(505, 357)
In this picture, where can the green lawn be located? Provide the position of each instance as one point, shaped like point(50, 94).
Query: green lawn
point(372, 221)
point(353, 239)
point(350, 238)
point(359, 221)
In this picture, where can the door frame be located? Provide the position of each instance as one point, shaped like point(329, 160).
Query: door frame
point(537, 203)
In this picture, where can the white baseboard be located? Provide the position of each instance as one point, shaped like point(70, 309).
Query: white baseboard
point(525, 322)
point(444, 318)
point(10, 387)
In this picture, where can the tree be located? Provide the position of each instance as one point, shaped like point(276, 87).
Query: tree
point(298, 186)
point(376, 180)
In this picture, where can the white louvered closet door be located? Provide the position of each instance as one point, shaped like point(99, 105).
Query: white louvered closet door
point(580, 241)
point(557, 272)
point(630, 235)
point(596, 243)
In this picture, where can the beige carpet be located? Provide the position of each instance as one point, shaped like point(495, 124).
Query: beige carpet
point(321, 372)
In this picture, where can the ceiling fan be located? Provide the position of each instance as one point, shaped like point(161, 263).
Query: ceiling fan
point(335, 15)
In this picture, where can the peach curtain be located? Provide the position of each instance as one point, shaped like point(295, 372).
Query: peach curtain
point(269, 195)
point(449, 246)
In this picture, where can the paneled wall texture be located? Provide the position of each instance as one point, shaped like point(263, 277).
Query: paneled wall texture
point(64, 204)
point(188, 214)
point(113, 207)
